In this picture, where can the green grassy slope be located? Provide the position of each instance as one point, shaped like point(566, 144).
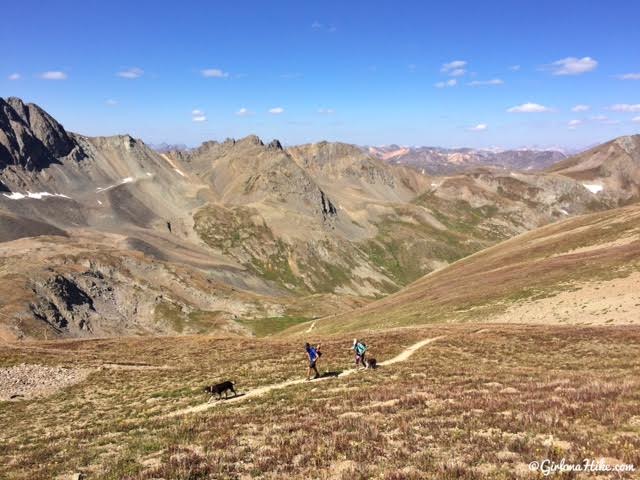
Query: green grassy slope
point(539, 263)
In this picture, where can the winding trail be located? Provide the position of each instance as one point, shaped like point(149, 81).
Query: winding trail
point(407, 352)
point(257, 392)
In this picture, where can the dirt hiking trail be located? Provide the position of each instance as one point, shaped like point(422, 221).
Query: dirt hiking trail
point(407, 352)
point(257, 392)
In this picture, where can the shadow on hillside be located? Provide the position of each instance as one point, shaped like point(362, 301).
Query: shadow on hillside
point(216, 399)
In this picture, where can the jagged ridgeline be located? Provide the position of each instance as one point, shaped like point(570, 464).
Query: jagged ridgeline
point(106, 236)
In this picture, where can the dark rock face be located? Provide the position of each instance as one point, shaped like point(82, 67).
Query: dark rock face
point(328, 208)
point(30, 137)
point(275, 145)
point(68, 292)
point(49, 313)
point(64, 306)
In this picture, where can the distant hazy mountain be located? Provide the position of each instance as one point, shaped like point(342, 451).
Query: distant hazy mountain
point(167, 147)
point(445, 161)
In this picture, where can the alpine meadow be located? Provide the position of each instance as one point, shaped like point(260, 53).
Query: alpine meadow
point(319, 240)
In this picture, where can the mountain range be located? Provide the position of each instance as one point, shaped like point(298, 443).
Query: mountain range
point(447, 161)
point(105, 236)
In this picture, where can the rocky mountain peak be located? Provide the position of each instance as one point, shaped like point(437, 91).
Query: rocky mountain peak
point(275, 145)
point(250, 140)
point(44, 127)
point(30, 137)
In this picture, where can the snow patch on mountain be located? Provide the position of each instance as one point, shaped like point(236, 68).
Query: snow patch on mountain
point(593, 187)
point(122, 182)
point(34, 195)
point(170, 162)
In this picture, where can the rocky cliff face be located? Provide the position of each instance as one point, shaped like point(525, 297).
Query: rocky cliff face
point(63, 305)
point(30, 137)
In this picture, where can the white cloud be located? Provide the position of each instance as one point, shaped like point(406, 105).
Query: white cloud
point(629, 76)
point(276, 110)
point(131, 73)
point(214, 73)
point(449, 83)
point(611, 122)
point(244, 112)
point(111, 102)
point(529, 108)
point(316, 25)
point(580, 108)
point(453, 65)
point(198, 116)
point(412, 67)
point(514, 68)
point(53, 75)
point(326, 111)
point(481, 127)
point(455, 68)
point(480, 83)
point(458, 72)
point(598, 118)
point(625, 107)
point(573, 66)
point(636, 119)
point(573, 124)
point(14, 76)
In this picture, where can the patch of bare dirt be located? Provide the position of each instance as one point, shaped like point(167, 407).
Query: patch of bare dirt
point(603, 302)
point(134, 366)
point(26, 381)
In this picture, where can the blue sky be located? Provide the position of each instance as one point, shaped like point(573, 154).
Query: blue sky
point(367, 72)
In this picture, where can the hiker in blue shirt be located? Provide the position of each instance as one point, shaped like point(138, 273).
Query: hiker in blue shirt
point(360, 349)
point(314, 354)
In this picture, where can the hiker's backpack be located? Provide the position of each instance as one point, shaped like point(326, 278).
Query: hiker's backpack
point(361, 348)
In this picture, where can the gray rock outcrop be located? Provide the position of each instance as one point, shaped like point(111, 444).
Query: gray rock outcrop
point(30, 137)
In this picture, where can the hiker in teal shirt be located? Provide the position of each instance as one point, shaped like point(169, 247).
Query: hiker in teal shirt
point(360, 349)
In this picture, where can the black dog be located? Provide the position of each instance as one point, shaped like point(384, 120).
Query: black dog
point(372, 363)
point(219, 389)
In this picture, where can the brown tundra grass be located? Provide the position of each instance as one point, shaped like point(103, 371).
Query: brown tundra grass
point(481, 403)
